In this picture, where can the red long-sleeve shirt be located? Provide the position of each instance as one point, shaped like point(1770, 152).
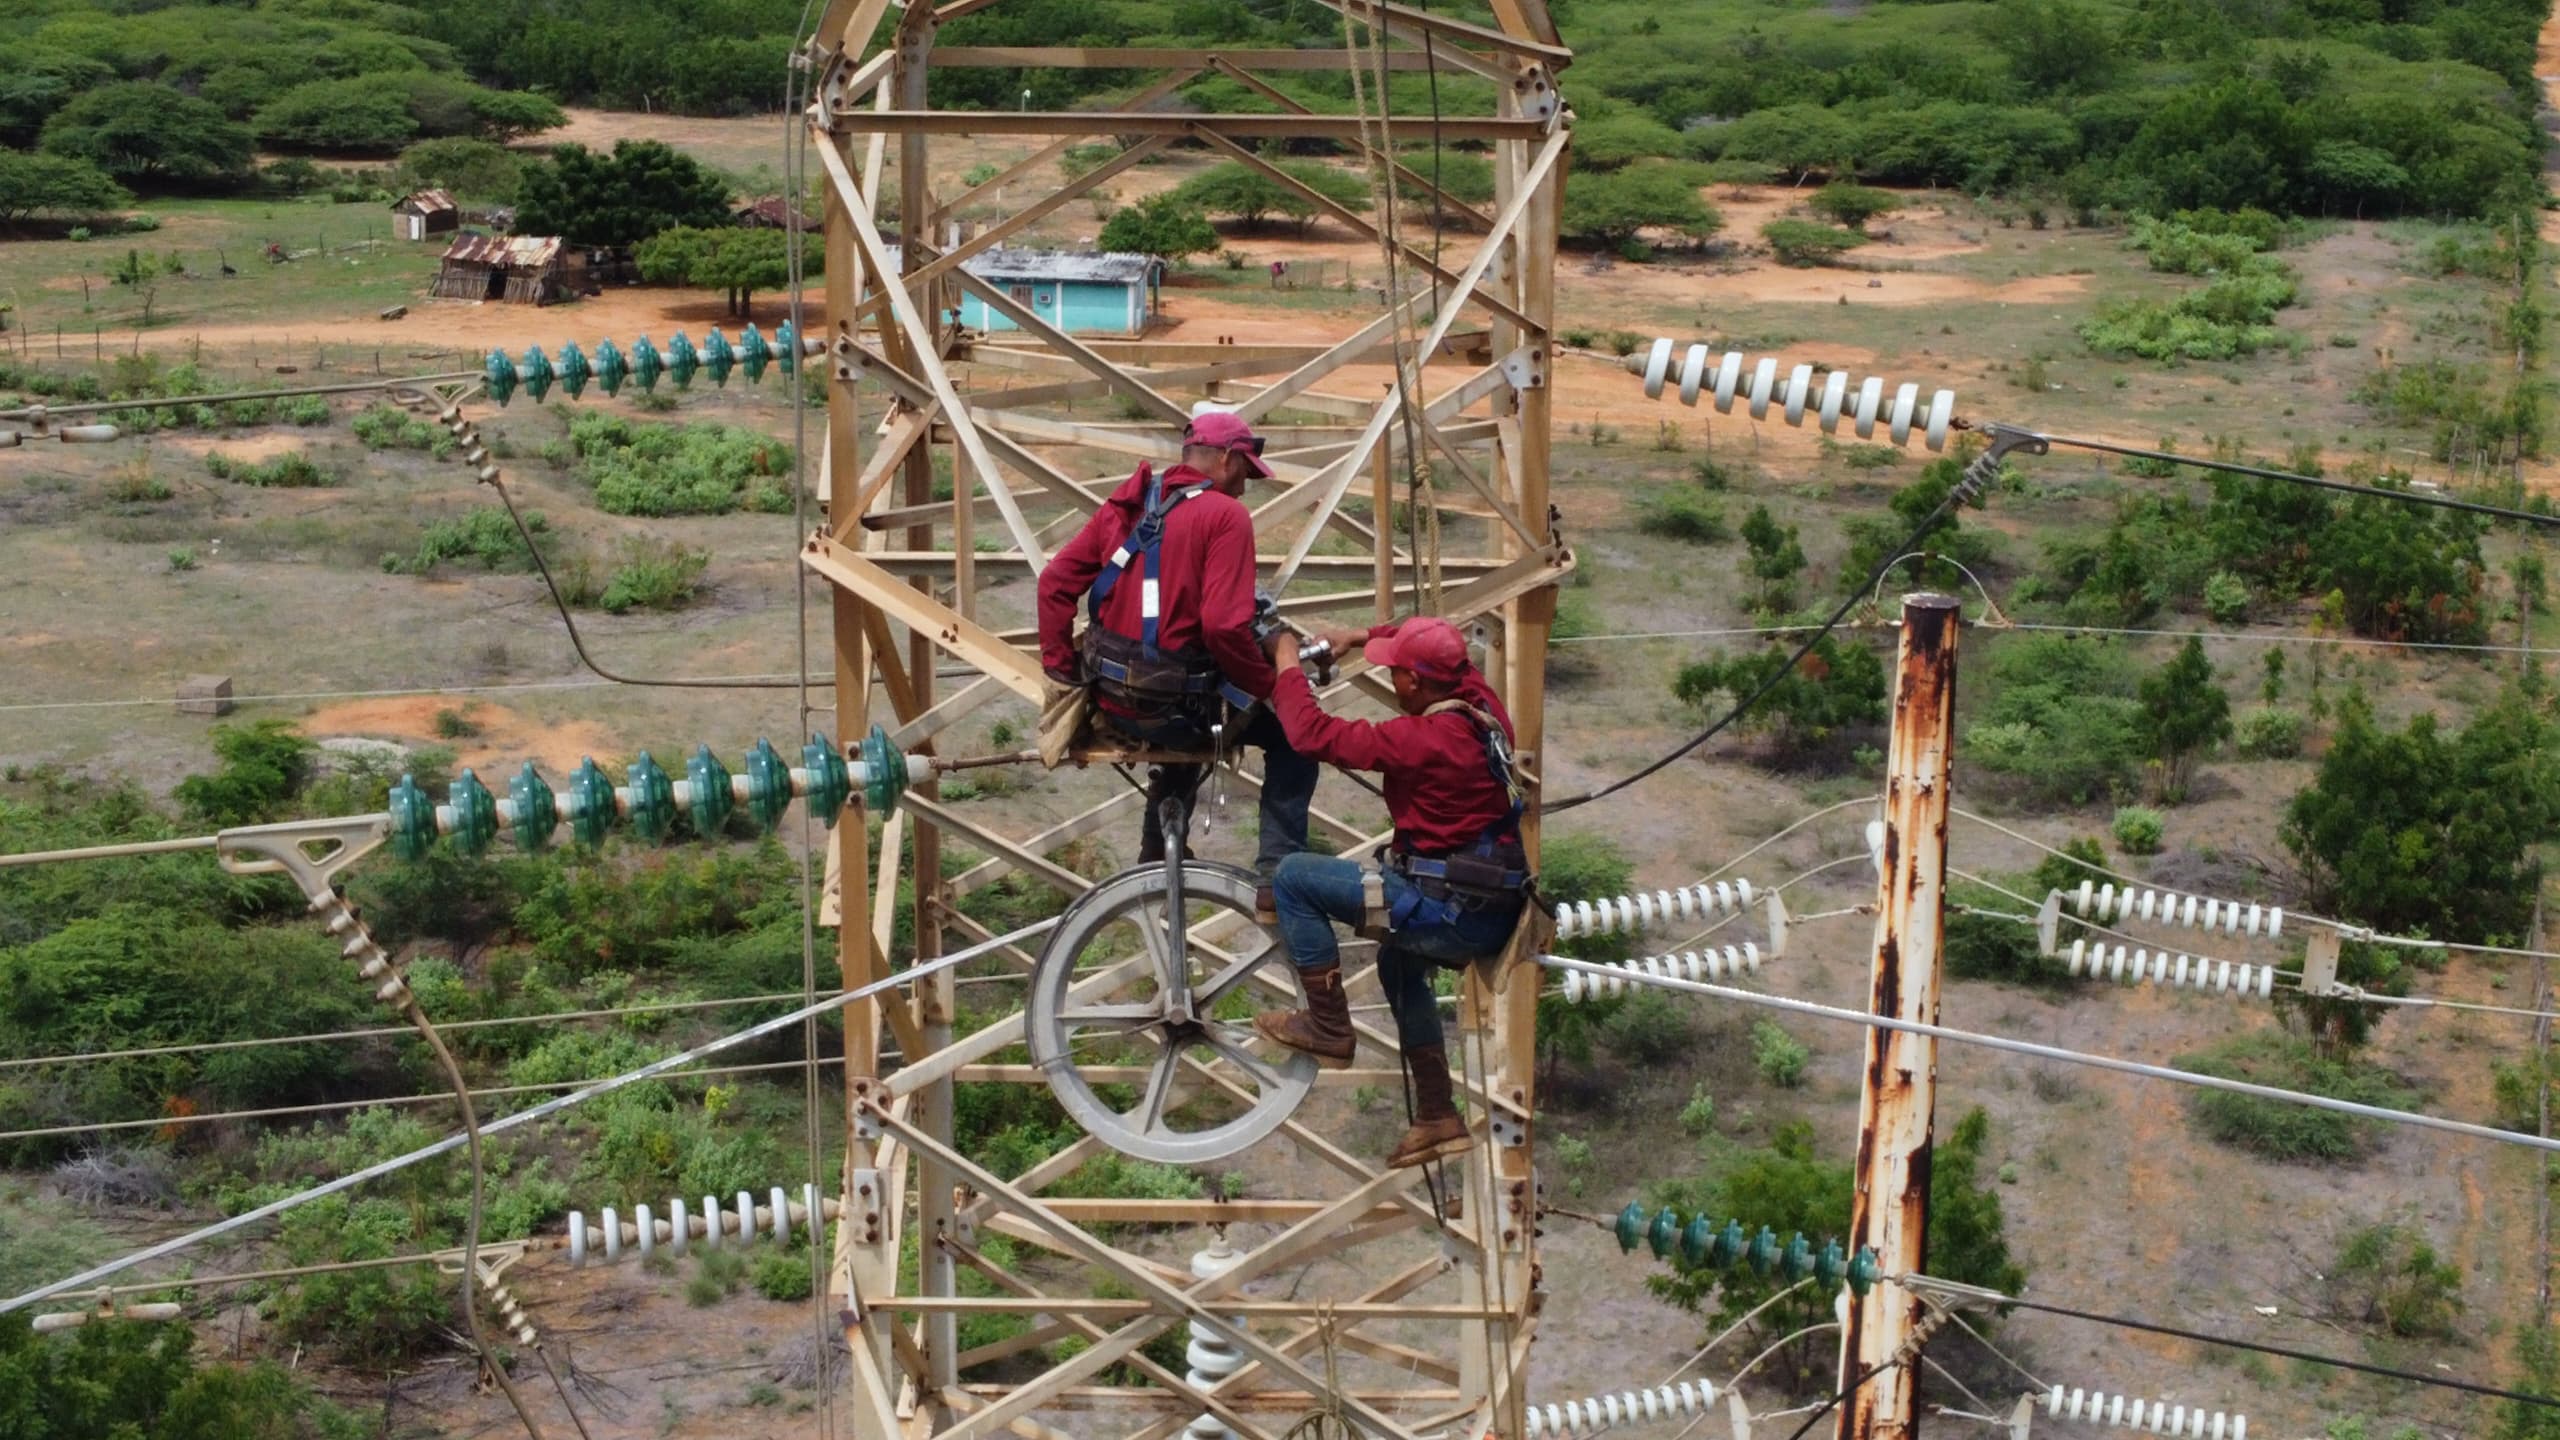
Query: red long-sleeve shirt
point(1441, 794)
point(1204, 580)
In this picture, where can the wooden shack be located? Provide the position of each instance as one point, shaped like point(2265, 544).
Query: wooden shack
point(422, 213)
point(772, 212)
point(525, 269)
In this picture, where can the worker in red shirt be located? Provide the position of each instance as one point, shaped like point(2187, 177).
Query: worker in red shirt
point(1165, 571)
point(1447, 892)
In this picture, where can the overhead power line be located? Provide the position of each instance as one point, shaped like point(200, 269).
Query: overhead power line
point(2054, 1052)
point(527, 1116)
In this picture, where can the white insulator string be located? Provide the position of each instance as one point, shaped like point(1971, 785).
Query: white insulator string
point(1705, 900)
point(2153, 1417)
point(1869, 402)
point(1624, 1407)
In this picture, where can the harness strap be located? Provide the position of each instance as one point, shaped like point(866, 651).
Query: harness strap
point(1144, 542)
point(1497, 756)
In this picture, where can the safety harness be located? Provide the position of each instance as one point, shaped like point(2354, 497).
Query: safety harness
point(1494, 868)
point(1139, 673)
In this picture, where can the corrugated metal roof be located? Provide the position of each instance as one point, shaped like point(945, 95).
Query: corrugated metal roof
point(526, 252)
point(1103, 267)
point(426, 202)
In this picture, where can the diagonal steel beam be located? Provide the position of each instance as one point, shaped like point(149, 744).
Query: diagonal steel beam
point(1093, 1252)
point(1356, 222)
point(1350, 465)
point(921, 336)
point(944, 626)
point(1029, 322)
point(1233, 71)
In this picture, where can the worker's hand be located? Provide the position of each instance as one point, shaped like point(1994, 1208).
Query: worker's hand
point(1345, 643)
point(1284, 649)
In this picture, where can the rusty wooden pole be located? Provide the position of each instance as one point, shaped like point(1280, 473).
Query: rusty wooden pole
point(1898, 1094)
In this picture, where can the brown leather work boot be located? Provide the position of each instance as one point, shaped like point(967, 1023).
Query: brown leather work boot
point(1266, 904)
point(1323, 1029)
point(1438, 1130)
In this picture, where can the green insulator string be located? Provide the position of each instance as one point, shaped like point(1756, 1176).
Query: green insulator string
point(1698, 1243)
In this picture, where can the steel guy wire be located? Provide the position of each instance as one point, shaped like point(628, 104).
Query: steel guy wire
point(2233, 467)
point(547, 1108)
point(17, 1062)
point(2054, 1052)
point(335, 1107)
point(1984, 1341)
point(2261, 637)
point(720, 681)
point(1925, 1284)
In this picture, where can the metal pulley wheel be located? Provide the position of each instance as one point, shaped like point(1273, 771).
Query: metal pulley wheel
point(1158, 981)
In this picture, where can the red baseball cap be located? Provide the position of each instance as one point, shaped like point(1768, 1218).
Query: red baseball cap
point(1224, 431)
point(1426, 645)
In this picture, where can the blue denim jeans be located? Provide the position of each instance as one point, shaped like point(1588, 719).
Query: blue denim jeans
point(1288, 781)
point(1313, 891)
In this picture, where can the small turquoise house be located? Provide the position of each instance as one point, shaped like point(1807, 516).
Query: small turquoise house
point(1081, 293)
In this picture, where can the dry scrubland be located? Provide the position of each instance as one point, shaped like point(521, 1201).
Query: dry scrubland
point(125, 567)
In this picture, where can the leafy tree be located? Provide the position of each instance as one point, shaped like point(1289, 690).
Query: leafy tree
point(1776, 559)
point(1799, 139)
point(2420, 832)
point(1834, 687)
point(38, 81)
point(359, 116)
point(117, 1378)
point(1872, 540)
point(1160, 225)
point(1239, 190)
point(620, 199)
point(1609, 208)
point(1787, 1189)
point(1606, 142)
point(263, 765)
point(2184, 713)
point(463, 167)
point(152, 136)
point(739, 261)
point(1580, 868)
point(1802, 243)
point(1853, 205)
point(2060, 721)
point(32, 185)
point(2054, 46)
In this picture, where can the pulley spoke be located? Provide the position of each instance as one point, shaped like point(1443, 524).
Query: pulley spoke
point(1231, 1046)
point(1115, 1018)
point(1149, 1116)
point(1149, 918)
point(1236, 973)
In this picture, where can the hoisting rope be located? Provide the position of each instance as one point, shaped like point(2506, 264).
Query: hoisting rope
point(1422, 510)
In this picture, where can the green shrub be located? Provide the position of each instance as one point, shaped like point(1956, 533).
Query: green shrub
point(2389, 1275)
point(1803, 243)
point(2138, 830)
point(1838, 686)
point(2226, 597)
point(1778, 1056)
point(784, 1274)
point(263, 764)
point(484, 535)
point(182, 558)
point(654, 575)
point(120, 1378)
point(639, 468)
point(2268, 734)
point(2060, 722)
point(1649, 1029)
point(388, 427)
point(304, 410)
point(717, 1274)
point(295, 471)
point(2279, 1129)
point(1679, 515)
point(1852, 205)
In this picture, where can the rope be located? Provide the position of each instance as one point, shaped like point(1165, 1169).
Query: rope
point(1326, 1421)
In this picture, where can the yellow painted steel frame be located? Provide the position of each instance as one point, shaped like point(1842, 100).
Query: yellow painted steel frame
point(905, 571)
